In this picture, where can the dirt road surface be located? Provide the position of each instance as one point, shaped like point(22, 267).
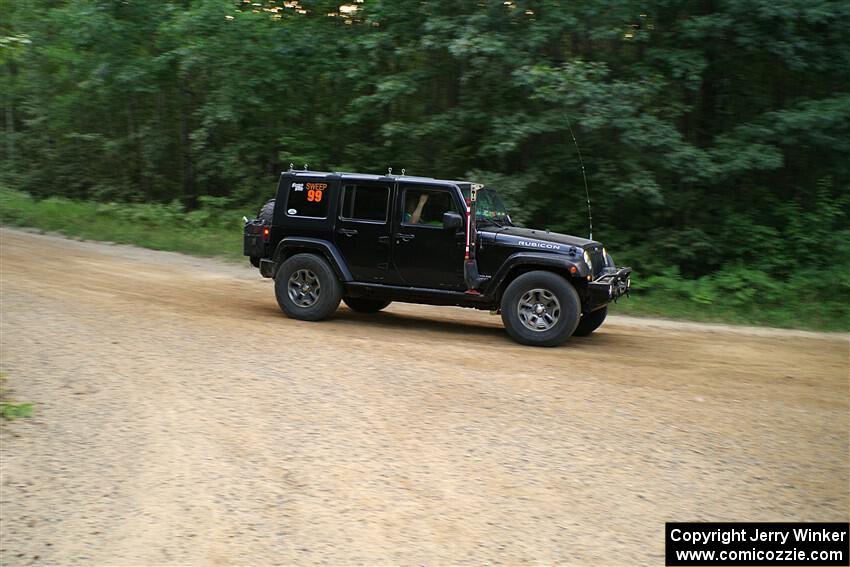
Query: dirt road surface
point(181, 419)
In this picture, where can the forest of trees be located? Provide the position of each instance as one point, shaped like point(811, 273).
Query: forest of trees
point(715, 133)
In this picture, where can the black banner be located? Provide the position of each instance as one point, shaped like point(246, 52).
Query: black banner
point(757, 544)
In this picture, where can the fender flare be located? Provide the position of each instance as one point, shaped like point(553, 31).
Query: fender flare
point(560, 262)
point(326, 248)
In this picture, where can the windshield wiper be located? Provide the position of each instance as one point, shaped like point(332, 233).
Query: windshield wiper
point(489, 220)
point(492, 221)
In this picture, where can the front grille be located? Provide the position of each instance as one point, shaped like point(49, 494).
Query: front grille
point(598, 259)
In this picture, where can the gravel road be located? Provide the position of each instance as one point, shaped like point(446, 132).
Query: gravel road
point(181, 419)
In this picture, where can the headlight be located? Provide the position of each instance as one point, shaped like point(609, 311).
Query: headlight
point(587, 261)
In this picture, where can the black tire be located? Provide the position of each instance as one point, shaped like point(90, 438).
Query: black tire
point(318, 302)
point(265, 214)
point(365, 305)
point(566, 302)
point(591, 322)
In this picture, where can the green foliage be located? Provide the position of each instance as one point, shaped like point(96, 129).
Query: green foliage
point(715, 135)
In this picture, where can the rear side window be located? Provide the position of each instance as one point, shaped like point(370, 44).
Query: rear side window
point(307, 199)
point(365, 203)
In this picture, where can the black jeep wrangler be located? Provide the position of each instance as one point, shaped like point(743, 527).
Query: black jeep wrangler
point(371, 239)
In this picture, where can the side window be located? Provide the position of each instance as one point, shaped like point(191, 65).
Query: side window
point(307, 199)
point(426, 206)
point(365, 203)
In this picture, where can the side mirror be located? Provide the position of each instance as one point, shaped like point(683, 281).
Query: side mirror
point(452, 220)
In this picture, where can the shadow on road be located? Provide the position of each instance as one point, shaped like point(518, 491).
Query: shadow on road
point(389, 320)
point(396, 322)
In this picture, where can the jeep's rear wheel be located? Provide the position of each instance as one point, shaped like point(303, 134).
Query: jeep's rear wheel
point(365, 305)
point(306, 288)
point(590, 322)
point(540, 309)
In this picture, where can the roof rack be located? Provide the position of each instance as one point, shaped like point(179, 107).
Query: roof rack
point(403, 175)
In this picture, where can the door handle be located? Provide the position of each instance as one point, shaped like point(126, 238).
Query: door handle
point(404, 237)
point(347, 231)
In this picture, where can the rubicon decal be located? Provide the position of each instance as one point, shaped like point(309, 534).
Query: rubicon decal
point(532, 244)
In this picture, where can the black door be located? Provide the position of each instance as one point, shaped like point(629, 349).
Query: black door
point(363, 230)
point(424, 253)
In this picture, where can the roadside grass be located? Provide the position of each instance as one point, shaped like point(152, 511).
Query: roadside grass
point(810, 299)
point(11, 410)
point(210, 231)
point(215, 230)
point(653, 304)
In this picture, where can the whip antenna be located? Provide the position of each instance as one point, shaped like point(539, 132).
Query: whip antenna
point(583, 176)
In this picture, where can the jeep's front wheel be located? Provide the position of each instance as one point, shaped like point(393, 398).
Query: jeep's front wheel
point(365, 305)
point(306, 288)
point(540, 309)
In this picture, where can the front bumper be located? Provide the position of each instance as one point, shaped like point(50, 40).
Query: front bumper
point(609, 286)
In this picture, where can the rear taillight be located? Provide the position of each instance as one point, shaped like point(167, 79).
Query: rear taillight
point(266, 233)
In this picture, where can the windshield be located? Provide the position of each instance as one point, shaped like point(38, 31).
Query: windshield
point(489, 206)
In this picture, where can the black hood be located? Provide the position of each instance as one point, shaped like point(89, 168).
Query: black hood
point(540, 239)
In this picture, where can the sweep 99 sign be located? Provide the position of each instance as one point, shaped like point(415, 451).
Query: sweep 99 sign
point(315, 191)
